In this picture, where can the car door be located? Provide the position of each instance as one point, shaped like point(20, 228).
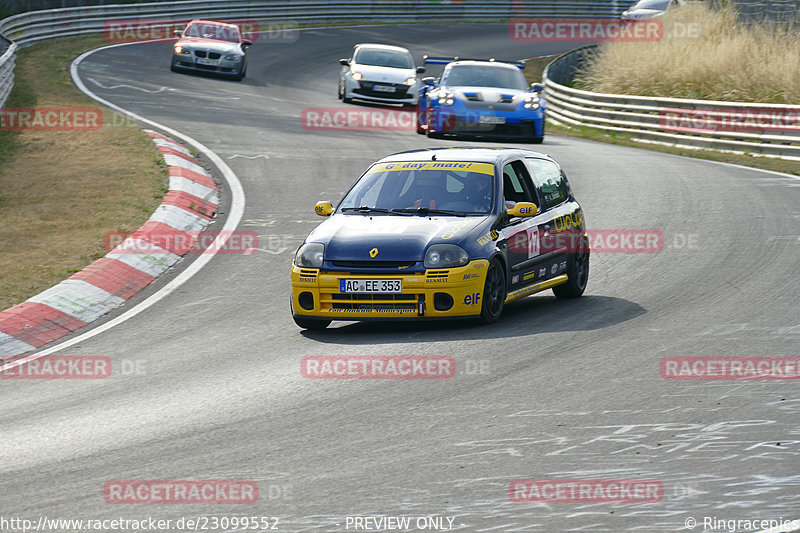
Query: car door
point(522, 235)
point(564, 223)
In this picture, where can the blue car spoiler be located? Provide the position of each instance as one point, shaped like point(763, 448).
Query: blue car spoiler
point(428, 60)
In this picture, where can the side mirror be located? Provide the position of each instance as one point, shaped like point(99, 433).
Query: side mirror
point(344, 62)
point(420, 70)
point(430, 80)
point(323, 209)
point(523, 209)
point(536, 87)
point(246, 43)
point(177, 33)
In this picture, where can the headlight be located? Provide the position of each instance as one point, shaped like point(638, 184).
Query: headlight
point(233, 57)
point(181, 50)
point(410, 81)
point(357, 76)
point(531, 102)
point(310, 255)
point(447, 98)
point(445, 256)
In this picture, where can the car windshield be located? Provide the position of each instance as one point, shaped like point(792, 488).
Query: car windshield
point(213, 31)
point(384, 58)
point(429, 187)
point(651, 4)
point(480, 76)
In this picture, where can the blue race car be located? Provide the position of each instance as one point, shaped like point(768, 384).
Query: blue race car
point(484, 99)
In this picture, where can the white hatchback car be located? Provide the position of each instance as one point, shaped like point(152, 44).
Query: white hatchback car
point(649, 9)
point(380, 73)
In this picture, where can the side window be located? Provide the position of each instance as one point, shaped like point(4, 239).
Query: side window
point(549, 180)
point(516, 184)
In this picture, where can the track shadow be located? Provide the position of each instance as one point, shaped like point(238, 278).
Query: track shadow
point(530, 316)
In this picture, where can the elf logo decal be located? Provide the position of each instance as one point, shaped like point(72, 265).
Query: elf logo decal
point(472, 299)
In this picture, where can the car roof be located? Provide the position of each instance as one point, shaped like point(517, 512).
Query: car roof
point(381, 47)
point(474, 63)
point(218, 23)
point(472, 154)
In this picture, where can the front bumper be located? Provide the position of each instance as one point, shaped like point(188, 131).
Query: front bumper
point(468, 123)
point(443, 293)
point(403, 94)
point(223, 66)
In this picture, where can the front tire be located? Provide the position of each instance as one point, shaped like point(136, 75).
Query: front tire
point(494, 293)
point(311, 323)
point(577, 272)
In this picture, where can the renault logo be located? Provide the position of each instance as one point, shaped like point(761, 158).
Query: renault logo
point(373, 252)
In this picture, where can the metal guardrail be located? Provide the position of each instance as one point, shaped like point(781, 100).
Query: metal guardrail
point(769, 11)
point(7, 63)
point(31, 27)
point(767, 129)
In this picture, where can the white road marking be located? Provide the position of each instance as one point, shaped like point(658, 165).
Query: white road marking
point(234, 156)
point(123, 85)
point(232, 222)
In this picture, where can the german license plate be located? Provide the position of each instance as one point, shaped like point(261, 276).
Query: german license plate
point(370, 285)
point(383, 88)
point(491, 120)
point(206, 61)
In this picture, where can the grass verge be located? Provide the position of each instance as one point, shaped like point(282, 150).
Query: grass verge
point(61, 191)
point(705, 54)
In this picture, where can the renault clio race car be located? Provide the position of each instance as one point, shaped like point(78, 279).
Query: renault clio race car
point(477, 98)
point(442, 233)
point(211, 46)
point(380, 73)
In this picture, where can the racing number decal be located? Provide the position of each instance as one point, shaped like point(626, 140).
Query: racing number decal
point(527, 241)
point(533, 242)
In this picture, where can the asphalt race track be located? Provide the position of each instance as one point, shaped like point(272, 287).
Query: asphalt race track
point(555, 390)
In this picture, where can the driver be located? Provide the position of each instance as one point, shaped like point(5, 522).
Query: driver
point(479, 192)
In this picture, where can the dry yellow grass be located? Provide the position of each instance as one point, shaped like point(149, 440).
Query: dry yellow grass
point(61, 191)
point(726, 62)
